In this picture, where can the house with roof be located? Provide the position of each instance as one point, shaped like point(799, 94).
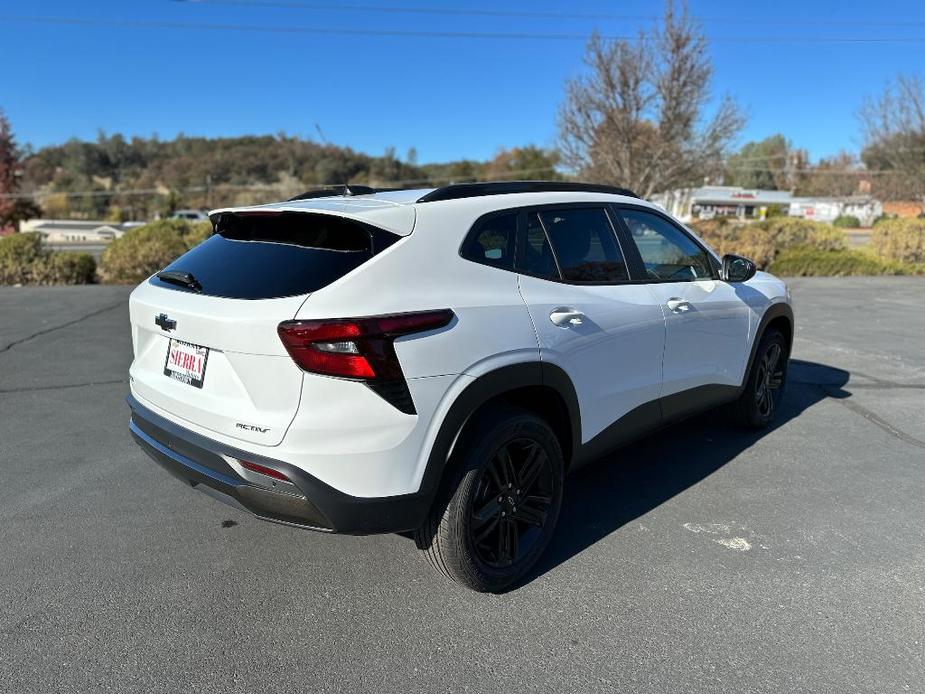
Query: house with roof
point(827, 209)
point(743, 204)
point(65, 231)
point(707, 202)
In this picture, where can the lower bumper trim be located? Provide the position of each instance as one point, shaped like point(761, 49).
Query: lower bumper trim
point(236, 492)
point(198, 461)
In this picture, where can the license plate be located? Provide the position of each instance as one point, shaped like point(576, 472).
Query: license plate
point(186, 363)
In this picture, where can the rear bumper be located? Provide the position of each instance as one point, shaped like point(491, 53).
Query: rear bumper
point(309, 503)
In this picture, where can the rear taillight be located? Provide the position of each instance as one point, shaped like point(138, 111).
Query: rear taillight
point(359, 348)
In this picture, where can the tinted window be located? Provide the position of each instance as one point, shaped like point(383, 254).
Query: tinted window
point(492, 243)
point(667, 252)
point(264, 257)
point(538, 259)
point(585, 245)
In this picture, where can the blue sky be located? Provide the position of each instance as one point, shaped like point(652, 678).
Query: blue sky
point(448, 97)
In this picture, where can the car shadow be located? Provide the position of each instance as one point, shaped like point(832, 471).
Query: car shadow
point(619, 488)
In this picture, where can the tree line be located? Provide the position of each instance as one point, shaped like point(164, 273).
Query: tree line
point(119, 178)
point(641, 115)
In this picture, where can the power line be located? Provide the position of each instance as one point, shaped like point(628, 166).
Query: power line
point(528, 14)
point(400, 33)
point(401, 9)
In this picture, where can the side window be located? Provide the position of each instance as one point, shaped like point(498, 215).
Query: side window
point(538, 258)
point(667, 252)
point(493, 242)
point(585, 245)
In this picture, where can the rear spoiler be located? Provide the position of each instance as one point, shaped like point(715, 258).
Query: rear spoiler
point(398, 219)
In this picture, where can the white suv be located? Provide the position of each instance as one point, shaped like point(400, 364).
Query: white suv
point(435, 361)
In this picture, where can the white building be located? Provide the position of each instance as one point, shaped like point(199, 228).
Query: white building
point(707, 202)
point(64, 231)
point(864, 207)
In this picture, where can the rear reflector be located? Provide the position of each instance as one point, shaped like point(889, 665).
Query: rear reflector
point(360, 348)
point(264, 470)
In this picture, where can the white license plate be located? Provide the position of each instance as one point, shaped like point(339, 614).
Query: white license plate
point(186, 363)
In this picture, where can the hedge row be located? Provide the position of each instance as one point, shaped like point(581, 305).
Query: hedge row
point(902, 240)
point(143, 251)
point(811, 262)
point(23, 260)
point(763, 241)
point(784, 245)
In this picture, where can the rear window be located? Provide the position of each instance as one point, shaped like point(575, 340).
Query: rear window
point(270, 256)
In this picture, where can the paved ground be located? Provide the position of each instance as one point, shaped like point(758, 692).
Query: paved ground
point(700, 560)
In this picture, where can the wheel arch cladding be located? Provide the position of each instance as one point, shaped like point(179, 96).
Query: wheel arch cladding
point(778, 316)
point(544, 389)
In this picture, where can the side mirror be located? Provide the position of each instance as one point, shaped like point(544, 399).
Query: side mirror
point(737, 269)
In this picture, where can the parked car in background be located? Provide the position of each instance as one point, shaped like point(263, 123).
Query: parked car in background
point(190, 215)
point(436, 361)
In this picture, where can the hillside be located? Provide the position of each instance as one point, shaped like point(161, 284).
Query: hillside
point(119, 178)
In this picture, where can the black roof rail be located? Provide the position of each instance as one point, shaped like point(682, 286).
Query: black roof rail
point(474, 190)
point(334, 191)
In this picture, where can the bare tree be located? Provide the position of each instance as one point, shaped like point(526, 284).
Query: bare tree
point(637, 118)
point(894, 131)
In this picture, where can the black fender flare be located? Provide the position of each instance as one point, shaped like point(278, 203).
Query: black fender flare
point(777, 310)
point(484, 389)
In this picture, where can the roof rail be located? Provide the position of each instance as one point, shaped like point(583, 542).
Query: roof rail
point(473, 190)
point(334, 191)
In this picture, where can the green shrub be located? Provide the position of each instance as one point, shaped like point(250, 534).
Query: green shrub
point(143, 251)
point(66, 268)
point(846, 221)
point(902, 240)
point(19, 254)
point(198, 232)
point(775, 211)
point(23, 260)
point(812, 262)
point(793, 232)
point(762, 241)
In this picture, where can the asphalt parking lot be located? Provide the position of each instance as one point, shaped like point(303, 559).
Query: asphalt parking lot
point(702, 559)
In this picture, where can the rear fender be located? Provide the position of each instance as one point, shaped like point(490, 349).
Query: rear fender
point(438, 474)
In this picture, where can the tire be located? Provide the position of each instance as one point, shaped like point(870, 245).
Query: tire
point(759, 402)
point(500, 511)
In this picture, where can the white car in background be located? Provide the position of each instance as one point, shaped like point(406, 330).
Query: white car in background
point(436, 361)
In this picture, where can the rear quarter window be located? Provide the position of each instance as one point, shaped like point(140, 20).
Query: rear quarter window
point(493, 242)
point(272, 256)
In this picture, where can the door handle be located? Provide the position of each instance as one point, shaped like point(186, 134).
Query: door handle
point(564, 316)
point(678, 305)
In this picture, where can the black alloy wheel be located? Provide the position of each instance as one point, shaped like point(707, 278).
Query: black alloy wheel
point(511, 504)
point(500, 509)
point(760, 400)
point(769, 380)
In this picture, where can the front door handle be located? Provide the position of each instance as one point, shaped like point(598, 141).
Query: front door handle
point(565, 316)
point(677, 305)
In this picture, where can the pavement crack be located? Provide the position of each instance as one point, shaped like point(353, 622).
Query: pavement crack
point(875, 419)
point(8, 347)
point(64, 386)
point(878, 384)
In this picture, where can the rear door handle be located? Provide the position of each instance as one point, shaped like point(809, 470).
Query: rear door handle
point(678, 305)
point(565, 316)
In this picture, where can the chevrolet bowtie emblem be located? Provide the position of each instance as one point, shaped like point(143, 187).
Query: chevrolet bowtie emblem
point(166, 324)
